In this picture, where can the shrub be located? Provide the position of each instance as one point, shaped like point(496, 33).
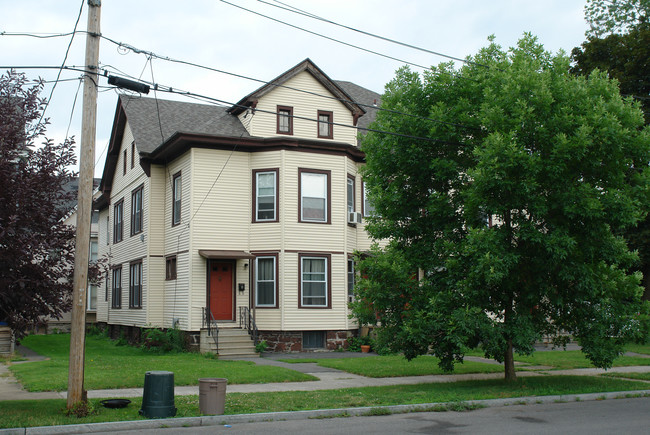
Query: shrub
point(162, 341)
point(261, 346)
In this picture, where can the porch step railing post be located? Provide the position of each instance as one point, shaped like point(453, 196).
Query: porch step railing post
point(211, 324)
point(247, 321)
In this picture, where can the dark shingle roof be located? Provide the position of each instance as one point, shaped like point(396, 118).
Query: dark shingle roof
point(365, 97)
point(176, 116)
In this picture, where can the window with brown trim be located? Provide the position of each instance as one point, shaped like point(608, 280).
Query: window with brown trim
point(116, 293)
point(265, 195)
point(135, 284)
point(124, 164)
point(266, 281)
point(350, 194)
point(170, 268)
point(325, 119)
point(118, 221)
point(136, 210)
point(176, 199)
point(285, 120)
point(314, 196)
point(132, 154)
point(314, 284)
point(368, 207)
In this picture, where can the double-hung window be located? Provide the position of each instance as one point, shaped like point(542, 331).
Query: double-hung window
point(265, 281)
point(285, 120)
point(135, 285)
point(118, 221)
point(170, 268)
point(314, 281)
point(325, 125)
point(314, 195)
point(265, 195)
point(176, 199)
point(350, 279)
point(116, 293)
point(368, 207)
point(136, 211)
point(350, 191)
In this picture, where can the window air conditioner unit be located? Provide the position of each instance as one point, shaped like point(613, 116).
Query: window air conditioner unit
point(354, 217)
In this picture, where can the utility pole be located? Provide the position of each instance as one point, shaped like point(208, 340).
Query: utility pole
point(84, 209)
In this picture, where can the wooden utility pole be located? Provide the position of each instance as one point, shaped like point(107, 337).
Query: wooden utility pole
point(84, 209)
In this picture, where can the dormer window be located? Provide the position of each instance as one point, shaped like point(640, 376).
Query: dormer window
point(285, 120)
point(325, 124)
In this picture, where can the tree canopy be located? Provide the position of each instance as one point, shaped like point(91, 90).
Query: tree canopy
point(615, 16)
point(503, 207)
point(36, 248)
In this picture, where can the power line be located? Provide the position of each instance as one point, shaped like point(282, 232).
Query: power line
point(47, 103)
point(324, 36)
point(331, 97)
point(304, 13)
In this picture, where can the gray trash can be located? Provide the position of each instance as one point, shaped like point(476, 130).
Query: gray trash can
point(158, 395)
point(212, 395)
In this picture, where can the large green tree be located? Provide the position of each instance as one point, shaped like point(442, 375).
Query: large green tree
point(615, 16)
point(502, 209)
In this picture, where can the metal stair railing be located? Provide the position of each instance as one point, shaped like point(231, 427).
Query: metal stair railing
point(211, 324)
point(247, 321)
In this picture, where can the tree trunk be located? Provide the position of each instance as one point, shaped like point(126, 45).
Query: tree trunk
point(509, 363)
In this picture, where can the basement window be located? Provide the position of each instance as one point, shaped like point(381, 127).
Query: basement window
point(313, 340)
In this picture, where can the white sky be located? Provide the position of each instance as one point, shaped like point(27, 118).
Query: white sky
point(215, 34)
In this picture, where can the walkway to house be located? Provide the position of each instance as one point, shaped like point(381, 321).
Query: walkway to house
point(329, 379)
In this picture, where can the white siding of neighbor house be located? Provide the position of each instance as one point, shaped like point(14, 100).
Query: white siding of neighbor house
point(102, 251)
point(305, 110)
point(177, 242)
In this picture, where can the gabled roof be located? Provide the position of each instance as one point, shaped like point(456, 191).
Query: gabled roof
point(154, 121)
point(251, 99)
point(366, 98)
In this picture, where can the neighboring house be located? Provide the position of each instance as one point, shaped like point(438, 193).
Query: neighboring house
point(70, 218)
point(224, 213)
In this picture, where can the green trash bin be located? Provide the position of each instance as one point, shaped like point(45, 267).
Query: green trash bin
point(158, 395)
point(212, 395)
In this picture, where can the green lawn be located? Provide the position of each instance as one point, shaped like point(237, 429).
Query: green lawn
point(396, 365)
point(639, 376)
point(111, 366)
point(639, 348)
point(28, 413)
point(573, 359)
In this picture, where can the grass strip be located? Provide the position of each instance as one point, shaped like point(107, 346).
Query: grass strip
point(397, 365)
point(28, 413)
point(110, 366)
point(639, 376)
point(574, 359)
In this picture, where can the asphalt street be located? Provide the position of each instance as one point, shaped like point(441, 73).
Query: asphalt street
point(612, 416)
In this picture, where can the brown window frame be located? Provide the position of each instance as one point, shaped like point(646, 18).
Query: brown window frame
point(175, 177)
point(328, 284)
point(132, 154)
point(124, 163)
point(137, 218)
point(287, 109)
point(328, 202)
point(330, 125)
point(135, 300)
point(116, 288)
point(118, 228)
point(171, 272)
point(277, 195)
point(276, 296)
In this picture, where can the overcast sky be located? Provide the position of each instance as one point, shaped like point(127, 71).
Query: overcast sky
point(221, 36)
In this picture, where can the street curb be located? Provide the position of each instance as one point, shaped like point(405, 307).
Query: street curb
point(218, 420)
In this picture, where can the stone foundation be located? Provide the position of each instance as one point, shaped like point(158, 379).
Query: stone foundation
point(291, 341)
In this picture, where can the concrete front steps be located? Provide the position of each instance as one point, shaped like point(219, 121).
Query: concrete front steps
point(234, 343)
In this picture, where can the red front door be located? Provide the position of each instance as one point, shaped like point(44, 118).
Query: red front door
point(221, 291)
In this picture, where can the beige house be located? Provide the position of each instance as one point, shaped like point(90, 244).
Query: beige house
point(218, 216)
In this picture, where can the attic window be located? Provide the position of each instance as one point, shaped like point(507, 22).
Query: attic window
point(285, 120)
point(325, 124)
point(132, 154)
